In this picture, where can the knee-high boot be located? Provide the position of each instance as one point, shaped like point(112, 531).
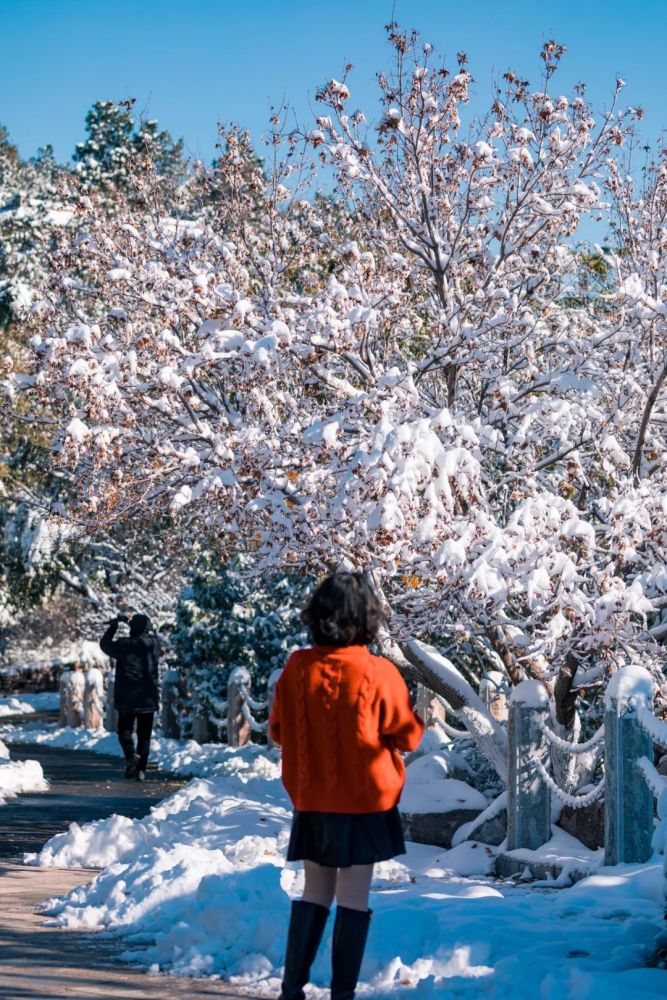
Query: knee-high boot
point(306, 927)
point(349, 942)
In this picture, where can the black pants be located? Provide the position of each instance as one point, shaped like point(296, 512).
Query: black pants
point(126, 739)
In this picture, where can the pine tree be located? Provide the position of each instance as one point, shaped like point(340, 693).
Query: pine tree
point(31, 215)
point(227, 618)
point(165, 154)
point(116, 143)
point(103, 159)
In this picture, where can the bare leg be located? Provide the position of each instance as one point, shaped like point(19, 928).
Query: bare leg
point(320, 884)
point(353, 887)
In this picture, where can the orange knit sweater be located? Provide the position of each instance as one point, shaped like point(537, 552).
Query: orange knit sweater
point(341, 716)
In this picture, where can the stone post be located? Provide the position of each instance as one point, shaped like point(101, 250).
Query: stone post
point(528, 798)
point(628, 798)
point(428, 706)
point(662, 817)
point(93, 698)
point(169, 716)
point(492, 691)
point(77, 683)
point(204, 729)
point(64, 689)
point(270, 689)
point(238, 729)
point(110, 713)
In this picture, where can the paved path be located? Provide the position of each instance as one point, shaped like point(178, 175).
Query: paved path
point(83, 786)
point(38, 962)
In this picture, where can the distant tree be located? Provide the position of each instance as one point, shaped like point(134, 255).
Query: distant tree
point(31, 215)
point(165, 154)
point(116, 144)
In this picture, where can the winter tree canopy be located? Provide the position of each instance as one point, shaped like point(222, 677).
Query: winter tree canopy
point(424, 374)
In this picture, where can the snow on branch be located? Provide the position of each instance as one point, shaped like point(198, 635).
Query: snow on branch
point(439, 674)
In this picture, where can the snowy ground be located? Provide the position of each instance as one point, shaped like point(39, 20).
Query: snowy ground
point(200, 887)
point(27, 704)
point(183, 757)
point(19, 776)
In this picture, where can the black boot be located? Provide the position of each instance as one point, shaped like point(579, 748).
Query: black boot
point(306, 927)
point(131, 766)
point(349, 941)
point(142, 764)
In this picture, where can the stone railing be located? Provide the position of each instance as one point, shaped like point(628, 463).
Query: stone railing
point(236, 718)
point(81, 698)
point(84, 703)
point(630, 783)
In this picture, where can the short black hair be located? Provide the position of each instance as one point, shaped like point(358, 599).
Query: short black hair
point(140, 624)
point(343, 610)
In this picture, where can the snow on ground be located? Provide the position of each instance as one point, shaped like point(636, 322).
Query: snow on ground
point(429, 789)
point(19, 776)
point(200, 887)
point(185, 757)
point(27, 704)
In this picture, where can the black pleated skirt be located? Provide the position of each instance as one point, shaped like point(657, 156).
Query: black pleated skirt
point(338, 840)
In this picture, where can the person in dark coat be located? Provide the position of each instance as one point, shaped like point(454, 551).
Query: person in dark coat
point(136, 694)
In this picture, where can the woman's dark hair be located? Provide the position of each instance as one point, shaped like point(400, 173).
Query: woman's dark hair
point(343, 610)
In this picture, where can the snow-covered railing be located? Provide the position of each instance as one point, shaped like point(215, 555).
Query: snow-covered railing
point(528, 796)
point(93, 699)
point(579, 801)
point(656, 728)
point(235, 718)
point(209, 719)
point(572, 747)
point(240, 720)
point(531, 785)
point(658, 785)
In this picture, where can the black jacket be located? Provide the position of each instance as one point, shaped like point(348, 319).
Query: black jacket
point(136, 681)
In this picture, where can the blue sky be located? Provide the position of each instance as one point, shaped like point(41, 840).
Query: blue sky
point(191, 63)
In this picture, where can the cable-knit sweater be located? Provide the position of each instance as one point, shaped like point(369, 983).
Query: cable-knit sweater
point(341, 716)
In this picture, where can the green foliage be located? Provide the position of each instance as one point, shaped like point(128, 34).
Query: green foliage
point(227, 618)
point(114, 144)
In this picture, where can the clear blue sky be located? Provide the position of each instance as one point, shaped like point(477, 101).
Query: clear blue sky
point(191, 63)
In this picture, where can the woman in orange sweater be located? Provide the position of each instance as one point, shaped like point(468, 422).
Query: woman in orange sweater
point(342, 717)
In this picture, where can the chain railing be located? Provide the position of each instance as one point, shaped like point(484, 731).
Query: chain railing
point(570, 746)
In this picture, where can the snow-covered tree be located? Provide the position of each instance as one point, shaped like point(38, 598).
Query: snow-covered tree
point(32, 215)
point(410, 380)
point(227, 618)
point(117, 145)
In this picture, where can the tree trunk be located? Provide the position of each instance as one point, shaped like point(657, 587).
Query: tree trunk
point(422, 662)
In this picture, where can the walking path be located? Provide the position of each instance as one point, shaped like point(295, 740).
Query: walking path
point(38, 962)
point(82, 786)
